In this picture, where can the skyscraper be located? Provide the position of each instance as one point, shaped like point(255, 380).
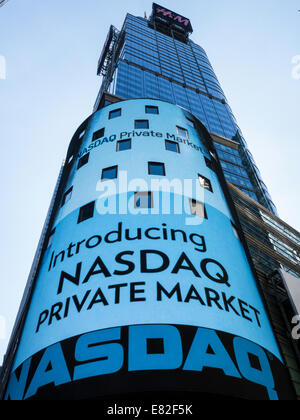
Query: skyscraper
point(156, 58)
point(153, 277)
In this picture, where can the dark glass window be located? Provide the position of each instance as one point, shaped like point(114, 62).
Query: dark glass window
point(143, 200)
point(152, 110)
point(67, 196)
point(198, 209)
point(86, 212)
point(110, 173)
point(155, 168)
point(83, 161)
point(209, 163)
point(205, 183)
point(98, 134)
point(182, 132)
point(141, 124)
point(123, 145)
point(172, 146)
point(115, 113)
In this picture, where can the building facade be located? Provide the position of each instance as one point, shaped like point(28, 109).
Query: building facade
point(143, 276)
point(155, 58)
point(160, 269)
point(274, 248)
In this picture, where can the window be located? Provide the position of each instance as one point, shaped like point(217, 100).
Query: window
point(155, 168)
point(172, 146)
point(115, 113)
point(209, 163)
point(190, 122)
point(67, 196)
point(123, 145)
point(109, 173)
point(182, 132)
point(83, 161)
point(198, 209)
point(98, 134)
point(143, 200)
point(205, 183)
point(86, 212)
point(141, 124)
point(152, 110)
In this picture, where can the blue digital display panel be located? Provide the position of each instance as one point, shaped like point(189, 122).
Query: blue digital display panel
point(153, 276)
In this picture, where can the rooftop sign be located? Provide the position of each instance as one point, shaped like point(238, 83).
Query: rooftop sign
point(172, 17)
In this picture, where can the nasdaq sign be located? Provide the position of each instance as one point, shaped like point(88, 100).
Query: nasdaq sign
point(144, 302)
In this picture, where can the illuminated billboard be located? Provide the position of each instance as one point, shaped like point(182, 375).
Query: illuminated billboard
point(145, 284)
point(172, 18)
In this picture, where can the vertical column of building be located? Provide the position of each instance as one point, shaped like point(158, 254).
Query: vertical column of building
point(145, 280)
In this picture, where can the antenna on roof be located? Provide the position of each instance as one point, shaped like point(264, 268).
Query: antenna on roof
point(145, 15)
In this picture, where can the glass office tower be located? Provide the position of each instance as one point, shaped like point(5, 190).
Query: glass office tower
point(143, 284)
point(155, 58)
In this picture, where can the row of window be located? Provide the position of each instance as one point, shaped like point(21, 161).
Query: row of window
point(123, 145)
point(188, 59)
point(169, 60)
point(144, 124)
point(154, 168)
point(124, 75)
point(148, 109)
point(211, 121)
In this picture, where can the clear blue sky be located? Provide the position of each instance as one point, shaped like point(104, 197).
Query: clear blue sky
point(51, 49)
